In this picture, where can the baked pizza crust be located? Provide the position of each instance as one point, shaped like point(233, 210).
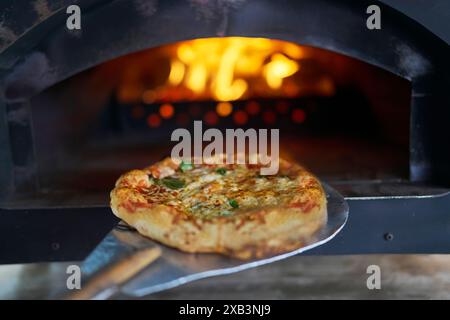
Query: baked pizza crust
point(256, 233)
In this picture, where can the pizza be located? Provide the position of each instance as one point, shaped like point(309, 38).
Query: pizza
point(229, 209)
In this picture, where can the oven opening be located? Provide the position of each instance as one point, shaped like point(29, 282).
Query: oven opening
point(345, 120)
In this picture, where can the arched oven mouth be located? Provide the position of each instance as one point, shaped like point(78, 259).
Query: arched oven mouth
point(345, 120)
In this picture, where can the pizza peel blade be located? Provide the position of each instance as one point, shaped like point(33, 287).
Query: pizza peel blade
point(169, 268)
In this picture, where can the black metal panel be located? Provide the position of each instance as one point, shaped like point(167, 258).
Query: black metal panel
point(430, 106)
point(374, 226)
point(394, 226)
point(52, 234)
point(22, 147)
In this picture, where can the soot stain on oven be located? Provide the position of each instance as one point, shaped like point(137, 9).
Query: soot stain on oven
point(411, 62)
point(29, 78)
point(42, 9)
point(36, 11)
point(146, 7)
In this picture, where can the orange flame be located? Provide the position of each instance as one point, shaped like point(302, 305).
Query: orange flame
point(222, 69)
point(222, 65)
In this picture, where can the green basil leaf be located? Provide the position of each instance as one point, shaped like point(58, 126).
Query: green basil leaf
point(233, 203)
point(221, 171)
point(154, 180)
point(173, 183)
point(186, 166)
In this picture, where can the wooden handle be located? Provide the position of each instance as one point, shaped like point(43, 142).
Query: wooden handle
point(106, 282)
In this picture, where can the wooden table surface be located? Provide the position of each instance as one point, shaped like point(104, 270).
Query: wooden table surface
point(301, 277)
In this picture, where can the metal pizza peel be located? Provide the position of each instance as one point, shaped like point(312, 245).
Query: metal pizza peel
point(128, 263)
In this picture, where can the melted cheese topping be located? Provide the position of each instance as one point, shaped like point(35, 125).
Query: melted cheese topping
point(210, 191)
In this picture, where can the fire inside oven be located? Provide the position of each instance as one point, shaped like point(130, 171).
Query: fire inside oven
point(345, 120)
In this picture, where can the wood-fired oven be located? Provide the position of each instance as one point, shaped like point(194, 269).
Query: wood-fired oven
point(367, 111)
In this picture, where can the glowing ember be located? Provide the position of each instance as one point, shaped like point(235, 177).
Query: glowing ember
point(211, 118)
point(153, 120)
point(298, 116)
point(240, 117)
point(224, 109)
point(166, 111)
